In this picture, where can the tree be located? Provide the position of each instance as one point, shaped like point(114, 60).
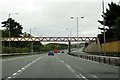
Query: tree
point(26, 34)
point(111, 14)
point(117, 28)
point(52, 46)
point(16, 31)
point(37, 46)
point(5, 33)
point(15, 28)
point(110, 17)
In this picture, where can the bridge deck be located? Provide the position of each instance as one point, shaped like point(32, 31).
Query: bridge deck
point(49, 39)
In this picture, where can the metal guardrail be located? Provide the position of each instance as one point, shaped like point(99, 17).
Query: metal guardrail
point(102, 59)
point(17, 54)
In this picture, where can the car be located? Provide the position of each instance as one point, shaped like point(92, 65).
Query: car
point(62, 52)
point(50, 53)
point(56, 51)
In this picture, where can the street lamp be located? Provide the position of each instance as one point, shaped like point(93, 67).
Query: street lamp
point(9, 26)
point(69, 41)
point(104, 26)
point(69, 32)
point(32, 42)
point(77, 18)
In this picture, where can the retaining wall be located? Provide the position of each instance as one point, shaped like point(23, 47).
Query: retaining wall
point(110, 47)
point(93, 47)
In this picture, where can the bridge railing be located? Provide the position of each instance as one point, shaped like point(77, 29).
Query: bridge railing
point(49, 39)
point(101, 59)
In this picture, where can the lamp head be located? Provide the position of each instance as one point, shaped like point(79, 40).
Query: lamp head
point(72, 17)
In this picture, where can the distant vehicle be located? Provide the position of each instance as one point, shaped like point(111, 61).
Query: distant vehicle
point(56, 51)
point(62, 52)
point(51, 53)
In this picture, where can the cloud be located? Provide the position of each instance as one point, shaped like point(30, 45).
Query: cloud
point(52, 18)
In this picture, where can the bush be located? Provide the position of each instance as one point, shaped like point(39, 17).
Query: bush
point(14, 50)
point(5, 50)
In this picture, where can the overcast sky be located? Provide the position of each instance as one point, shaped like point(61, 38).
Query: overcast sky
point(52, 17)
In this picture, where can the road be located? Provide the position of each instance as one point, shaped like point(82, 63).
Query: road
point(57, 66)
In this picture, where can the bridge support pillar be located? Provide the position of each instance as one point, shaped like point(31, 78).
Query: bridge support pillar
point(69, 47)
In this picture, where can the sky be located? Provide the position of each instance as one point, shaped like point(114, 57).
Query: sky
point(52, 17)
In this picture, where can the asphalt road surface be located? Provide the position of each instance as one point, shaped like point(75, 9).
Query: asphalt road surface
point(57, 66)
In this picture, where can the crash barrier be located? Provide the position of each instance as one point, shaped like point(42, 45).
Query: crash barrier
point(18, 54)
point(102, 59)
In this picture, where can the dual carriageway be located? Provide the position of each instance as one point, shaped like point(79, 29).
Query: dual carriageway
point(59, 66)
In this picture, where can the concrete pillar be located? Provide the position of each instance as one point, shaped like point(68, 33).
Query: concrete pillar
point(0, 53)
point(69, 47)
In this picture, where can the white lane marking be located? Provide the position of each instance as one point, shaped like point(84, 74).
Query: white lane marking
point(85, 71)
point(22, 69)
point(19, 71)
point(82, 76)
point(28, 65)
point(14, 74)
point(25, 66)
point(68, 65)
point(9, 77)
point(96, 62)
point(73, 71)
point(62, 61)
point(69, 68)
point(95, 76)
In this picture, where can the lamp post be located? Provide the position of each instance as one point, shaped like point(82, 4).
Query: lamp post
point(69, 41)
point(77, 19)
point(69, 33)
point(32, 42)
point(9, 26)
point(104, 27)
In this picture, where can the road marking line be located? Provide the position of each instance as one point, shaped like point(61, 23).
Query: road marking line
point(68, 65)
point(19, 71)
point(85, 71)
point(82, 76)
point(22, 69)
point(95, 76)
point(30, 64)
point(69, 68)
point(9, 77)
point(73, 71)
point(14, 74)
point(62, 61)
point(27, 67)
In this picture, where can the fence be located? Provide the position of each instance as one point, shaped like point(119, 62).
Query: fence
point(102, 59)
point(18, 54)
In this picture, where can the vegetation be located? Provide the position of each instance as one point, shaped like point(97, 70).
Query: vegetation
point(20, 47)
point(14, 27)
point(52, 46)
point(15, 50)
point(16, 31)
point(112, 23)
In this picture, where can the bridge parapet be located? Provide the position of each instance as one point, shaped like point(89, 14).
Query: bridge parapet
point(50, 39)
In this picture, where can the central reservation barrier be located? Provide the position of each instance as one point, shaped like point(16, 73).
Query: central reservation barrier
point(102, 59)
